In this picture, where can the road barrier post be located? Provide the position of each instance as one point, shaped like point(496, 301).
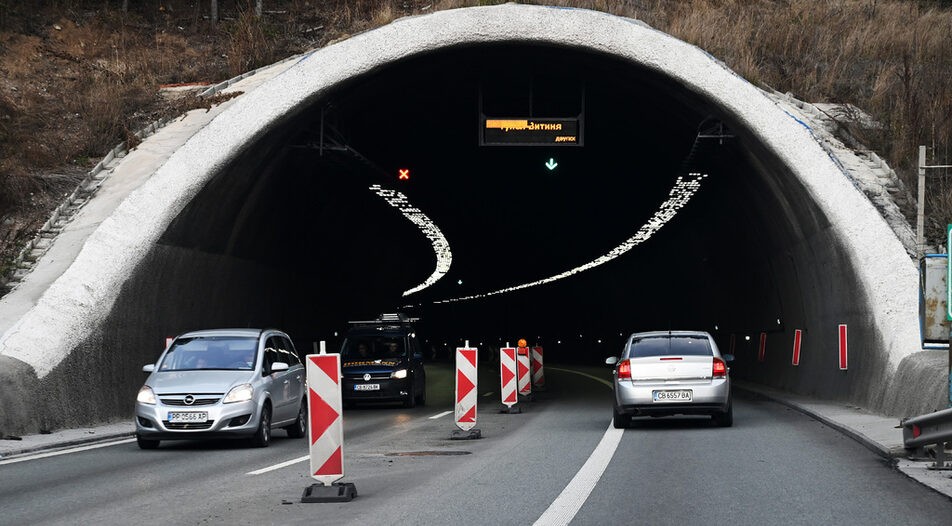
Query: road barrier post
point(466, 393)
point(523, 374)
point(326, 430)
point(507, 378)
point(843, 347)
point(797, 341)
point(538, 373)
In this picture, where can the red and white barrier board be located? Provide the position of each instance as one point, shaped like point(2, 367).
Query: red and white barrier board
point(524, 378)
point(466, 360)
point(843, 347)
point(538, 373)
point(762, 350)
point(797, 340)
point(507, 376)
point(326, 423)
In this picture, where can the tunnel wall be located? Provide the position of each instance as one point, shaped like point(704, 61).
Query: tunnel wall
point(83, 321)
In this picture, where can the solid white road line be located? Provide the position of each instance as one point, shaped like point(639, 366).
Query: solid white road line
point(566, 505)
point(488, 394)
point(279, 466)
point(440, 415)
point(65, 451)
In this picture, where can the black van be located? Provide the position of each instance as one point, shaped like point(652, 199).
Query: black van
point(381, 361)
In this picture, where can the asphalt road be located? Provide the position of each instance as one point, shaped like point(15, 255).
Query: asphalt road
point(775, 466)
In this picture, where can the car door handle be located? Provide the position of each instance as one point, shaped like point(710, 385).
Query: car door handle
point(286, 381)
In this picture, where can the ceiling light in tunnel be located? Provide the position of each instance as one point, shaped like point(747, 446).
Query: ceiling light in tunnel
point(441, 247)
point(747, 338)
point(680, 194)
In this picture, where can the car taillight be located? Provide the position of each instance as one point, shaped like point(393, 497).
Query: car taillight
point(719, 369)
point(624, 370)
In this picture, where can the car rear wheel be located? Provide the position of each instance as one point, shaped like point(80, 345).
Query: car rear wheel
point(299, 428)
point(262, 436)
point(145, 443)
point(725, 419)
point(619, 420)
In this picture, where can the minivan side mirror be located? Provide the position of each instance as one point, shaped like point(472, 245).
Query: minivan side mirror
point(611, 360)
point(148, 368)
point(728, 358)
point(277, 367)
point(418, 356)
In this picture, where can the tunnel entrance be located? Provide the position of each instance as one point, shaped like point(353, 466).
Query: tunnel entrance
point(247, 224)
point(297, 204)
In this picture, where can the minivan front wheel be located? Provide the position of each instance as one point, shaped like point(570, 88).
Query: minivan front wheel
point(145, 443)
point(262, 436)
point(410, 401)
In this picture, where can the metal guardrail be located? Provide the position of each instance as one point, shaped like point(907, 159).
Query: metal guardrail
point(926, 430)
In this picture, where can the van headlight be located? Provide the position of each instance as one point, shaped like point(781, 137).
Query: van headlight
point(146, 395)
point(399, 373)
point(239, 393)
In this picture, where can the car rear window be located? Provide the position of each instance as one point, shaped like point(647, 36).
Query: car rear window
point(670, 345)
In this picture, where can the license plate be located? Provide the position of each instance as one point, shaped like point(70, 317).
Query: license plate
point(680, 395)
point(366, 387)
point(190, 417)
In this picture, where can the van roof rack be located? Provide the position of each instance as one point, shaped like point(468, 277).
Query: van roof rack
point(393, 318)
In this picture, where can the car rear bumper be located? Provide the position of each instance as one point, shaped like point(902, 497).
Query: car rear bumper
point(707, 399)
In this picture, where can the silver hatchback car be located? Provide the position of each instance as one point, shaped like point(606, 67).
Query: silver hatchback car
point(224, 383)
point(671, 373)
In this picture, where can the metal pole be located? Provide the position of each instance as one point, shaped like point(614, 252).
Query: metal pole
point(921, 204)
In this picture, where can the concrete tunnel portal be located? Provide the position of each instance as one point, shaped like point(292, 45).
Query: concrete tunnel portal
point(283, 229)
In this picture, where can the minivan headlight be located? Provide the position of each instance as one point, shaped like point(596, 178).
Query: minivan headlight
point(146, 395)
point(399, 373)
point(239, 393)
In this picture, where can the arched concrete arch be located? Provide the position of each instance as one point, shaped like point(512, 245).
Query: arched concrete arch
point(882, 278)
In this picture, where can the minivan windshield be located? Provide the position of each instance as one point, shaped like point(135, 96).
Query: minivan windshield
point(373, 347)
point(211, 352)
point(664, 345)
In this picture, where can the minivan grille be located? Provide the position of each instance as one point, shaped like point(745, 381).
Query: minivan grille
point(181, 401)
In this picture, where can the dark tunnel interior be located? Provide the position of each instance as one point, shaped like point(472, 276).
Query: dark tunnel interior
point(296, 206)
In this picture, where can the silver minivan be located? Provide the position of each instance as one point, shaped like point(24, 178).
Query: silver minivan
point(223, 383)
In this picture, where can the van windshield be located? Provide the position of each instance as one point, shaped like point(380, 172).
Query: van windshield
point(373, 347)
point(670, 345)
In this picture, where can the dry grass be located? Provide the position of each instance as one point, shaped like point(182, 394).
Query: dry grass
point(77, 75)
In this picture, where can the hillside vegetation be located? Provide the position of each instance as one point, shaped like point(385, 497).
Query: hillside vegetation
point(78, 77)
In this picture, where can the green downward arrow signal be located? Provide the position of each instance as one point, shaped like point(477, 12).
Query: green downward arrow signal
point(551, 164)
